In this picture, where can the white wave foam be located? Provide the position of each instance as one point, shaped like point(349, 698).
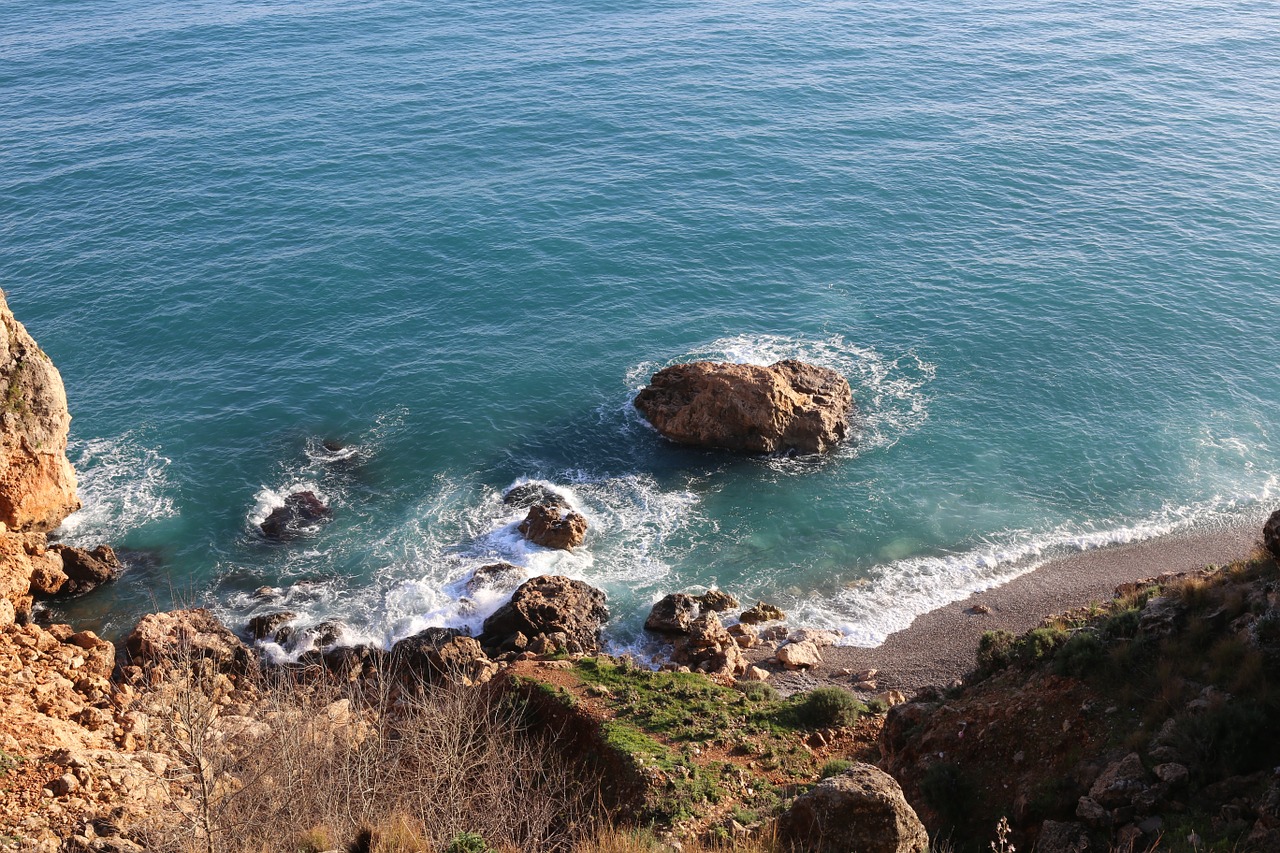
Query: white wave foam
point(268, 499)
point(889, 391)
point(896, 593)
point(123, 485)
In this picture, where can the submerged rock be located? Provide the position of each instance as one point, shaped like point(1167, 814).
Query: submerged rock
point(303, 512)
point(548, 610)
point(527, 495)
point(554, 527)
point(497, 577)
point(862, 809)
point(789, 406)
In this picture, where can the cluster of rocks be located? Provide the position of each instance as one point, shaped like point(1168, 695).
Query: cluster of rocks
point(551, 522)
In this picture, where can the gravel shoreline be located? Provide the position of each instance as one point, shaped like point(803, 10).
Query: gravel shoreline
point(938, 647)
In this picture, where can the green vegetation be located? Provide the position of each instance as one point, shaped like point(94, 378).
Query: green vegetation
point(468, 842)
point(829, 706)
point(834, 767)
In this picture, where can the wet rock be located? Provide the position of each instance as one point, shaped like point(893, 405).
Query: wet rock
point(324, 634)
point(717, 601)
point(495, 577)
point(181, 636)
point(554, 527)
point(761, 612)
point(548, 605)
point(267, 624)
point(303, 512)
point(673, 614)
point(86, 570)
point(529, 495)
point(333, 446)
point(788, 406)
point(862, 809)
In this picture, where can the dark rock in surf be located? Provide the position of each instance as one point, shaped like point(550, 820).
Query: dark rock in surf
point(268, 624)
point(86, 570)
point(548, 611)
point(673, 614)
point(717, 601)
point(495, 577)
point(554, 527)
point(789, 406)
point(333, 446)
point(303, 512)
point(527, 495)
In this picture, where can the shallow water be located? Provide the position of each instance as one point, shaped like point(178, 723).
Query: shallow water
point(1039, 240)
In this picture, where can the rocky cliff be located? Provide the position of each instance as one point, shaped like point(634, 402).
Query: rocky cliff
point(37, 483)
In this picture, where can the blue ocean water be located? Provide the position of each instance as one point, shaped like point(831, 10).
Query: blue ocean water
point(1041, 240)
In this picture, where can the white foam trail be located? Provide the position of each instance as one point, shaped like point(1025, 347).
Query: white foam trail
point(123, 485)
point(896, 593)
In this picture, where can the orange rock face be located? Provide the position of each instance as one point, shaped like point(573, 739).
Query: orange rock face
point(789, 406)
point(37, 483)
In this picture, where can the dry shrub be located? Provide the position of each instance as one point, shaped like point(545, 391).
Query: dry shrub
point(277, 765)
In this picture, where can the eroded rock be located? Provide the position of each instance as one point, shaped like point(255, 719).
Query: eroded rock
point(528, 495)
point(708, 647)
point(673, 614)
point(86, 570)
point(788, 406)
point(181, 636)
point(761, 612)
point(544, 607)
point(554, 527)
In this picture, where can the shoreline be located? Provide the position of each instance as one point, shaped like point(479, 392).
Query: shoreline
point(939, 646)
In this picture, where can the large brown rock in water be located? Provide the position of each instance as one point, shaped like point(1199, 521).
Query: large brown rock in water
point(567, 612)
point(554, 527)
point(862, 809)
point(788, 406)
point(37, 483)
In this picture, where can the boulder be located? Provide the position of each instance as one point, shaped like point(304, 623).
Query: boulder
point(37, 483)
point(708, 647)
point(1120, 782)
point(717, 601)
point(1271, 534)
point(789, 406)
point(746, 635)
point(528, 495)
point(673, 614)
point(761, 612)
point(554, 527)
point(303, 512)
point(267, 624)
point(86, 570)
point(495, 577)
point(802, 655)
point(180, 636)
point(352, 662)
point(862, 809)
point(546, 606)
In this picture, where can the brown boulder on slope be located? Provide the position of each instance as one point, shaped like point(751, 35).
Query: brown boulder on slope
point(788, 406)
point(862, 809)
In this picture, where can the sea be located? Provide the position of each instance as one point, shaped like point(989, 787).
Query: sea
point(452, 239)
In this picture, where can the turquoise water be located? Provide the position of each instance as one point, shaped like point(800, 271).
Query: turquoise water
point(1042, 241)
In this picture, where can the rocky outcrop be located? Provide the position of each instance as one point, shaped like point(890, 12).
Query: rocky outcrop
point(1271, 534)
point(302, 513)
point(434, 656)
point(86, 570)
point(37, 483)
point(181, 636)
point(787, 407)
point(673, 614)
point(862, 809)
point(554, 527)
point(708, 647)
point(266, 625)
point(761, 612)
point(548, 612)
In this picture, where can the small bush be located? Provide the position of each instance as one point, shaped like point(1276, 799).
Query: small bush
point(1123, 624)
point(758, 691)
point(1039, 645)
point(468, 842)
point(829, 706)
point(834, 767)
point(1081, 654)
point(995, 649)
